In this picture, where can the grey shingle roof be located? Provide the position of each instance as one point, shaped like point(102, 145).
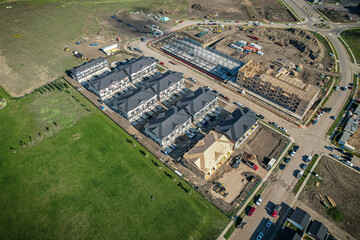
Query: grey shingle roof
point(236, 124)
point(195, 101)
point(318, 230)
point(92, 63)
point(164, 81)
point(300, 217)
point(345, 137)
point(132, 99)
point(167, 121)
point(105, 81)
point(289, 234)
point(135, 65)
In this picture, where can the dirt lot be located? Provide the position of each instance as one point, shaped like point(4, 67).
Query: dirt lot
point(355, 140)
point(300, 47)
point(342, 185)
point(241, 10)
point(347, 11)
point(265, 143)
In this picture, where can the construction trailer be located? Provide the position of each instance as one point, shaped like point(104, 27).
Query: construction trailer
point(110, 49)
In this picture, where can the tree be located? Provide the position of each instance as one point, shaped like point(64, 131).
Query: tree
point(336, 214)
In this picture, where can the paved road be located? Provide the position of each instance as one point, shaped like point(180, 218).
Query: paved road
point(311, 139)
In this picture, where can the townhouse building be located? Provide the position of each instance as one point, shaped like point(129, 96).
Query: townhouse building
point(139, 68)
point(134, 103)
point(105, 86)
point(238, 126)
point(89, 69)
point(199, 103)
point(168, 125)
point(167, 84)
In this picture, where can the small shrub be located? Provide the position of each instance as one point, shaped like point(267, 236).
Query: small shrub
point(336, 214)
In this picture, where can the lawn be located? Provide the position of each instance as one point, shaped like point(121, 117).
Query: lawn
point(352, 38)
point(85, 178)
point(33, 35)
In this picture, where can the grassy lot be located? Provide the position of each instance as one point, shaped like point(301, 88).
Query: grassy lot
point(85, 178)
point(33, 35)
point(347, 49)
point(306, 172)
point(352, 38)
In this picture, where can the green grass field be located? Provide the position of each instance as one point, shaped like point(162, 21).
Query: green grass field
point(33, 35)
point(352, 38)
point(85, 179)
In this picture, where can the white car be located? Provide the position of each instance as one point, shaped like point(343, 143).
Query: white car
point(336, 88)
point(349, 163)
point(239, 104)
point(308, 159)
point(192, 79)
point(292, 153)
point(283, 129)
point(258, 202)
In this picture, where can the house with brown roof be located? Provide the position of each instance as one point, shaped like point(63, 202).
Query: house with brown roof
point(210, 153)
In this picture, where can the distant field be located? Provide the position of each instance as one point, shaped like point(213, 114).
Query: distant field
point(33, 35)
point(83, 177)
point(352, 38)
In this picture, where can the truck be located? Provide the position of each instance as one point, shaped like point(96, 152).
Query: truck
point(253, 37)
point(276, 211)
point(250, 164)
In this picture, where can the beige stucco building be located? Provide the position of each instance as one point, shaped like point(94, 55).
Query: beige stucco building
point(279, 87)
point(210, 153)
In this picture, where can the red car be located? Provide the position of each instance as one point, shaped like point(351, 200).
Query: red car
point(227, 99)
point(252, 210)
point(276, 211)
point(162, 63)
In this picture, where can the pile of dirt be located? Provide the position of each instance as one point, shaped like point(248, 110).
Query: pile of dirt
point(196, 6)
point(311, 50)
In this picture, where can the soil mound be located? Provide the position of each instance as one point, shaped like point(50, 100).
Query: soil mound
point(310, 48)
point(196, 6)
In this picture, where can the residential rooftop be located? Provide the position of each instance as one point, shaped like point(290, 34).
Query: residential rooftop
point(164, 81)
point(104, 81)
point(236, 124)
point(135, 65)
point(195, 101)
point(133, 98)
point(167, 121)
point(87, 65)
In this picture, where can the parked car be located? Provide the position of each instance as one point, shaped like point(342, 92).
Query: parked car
point(308, 159)
point(214, 91)
point(260, 116)
point(259, 200)
point(336, 88)
point(296, 147)
point(252, 210)
point(260, 236)
point(287, 160)
point(162, 63)
point(333, 117)
point(192, 79)
point(227, 99)
point(299, 174)
point(303, 166)
point(239, 104)
point(283, 129)
point(357, 168)
point(349, 154)
point(330, 148)
point(276, 211)
point(348, 163)
point(315, 121)
point(336, 157)
point(221, 95)
point(292, 153)
point(282, 166)
point(269, 223)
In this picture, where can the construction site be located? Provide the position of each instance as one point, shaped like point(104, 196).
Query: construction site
point(291, 60)
point(263, 10)
point(233, 181)
point(332, 189)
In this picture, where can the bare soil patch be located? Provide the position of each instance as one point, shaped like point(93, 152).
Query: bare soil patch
point(241, 10)
point(342, 185)
point(355, 140)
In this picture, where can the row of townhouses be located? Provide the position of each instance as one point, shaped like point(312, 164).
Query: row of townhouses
point(135, 102)
point(169, 125)
point(105, 84)
point(89, 69)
